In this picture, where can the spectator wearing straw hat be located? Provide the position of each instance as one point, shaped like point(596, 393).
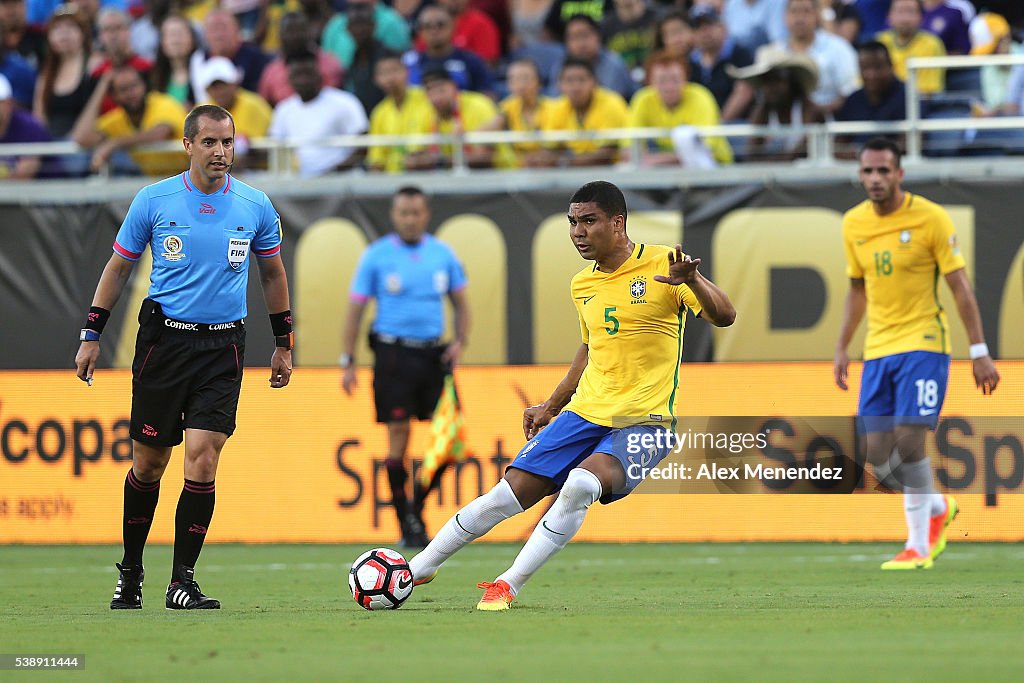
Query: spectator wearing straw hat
point(783, 83)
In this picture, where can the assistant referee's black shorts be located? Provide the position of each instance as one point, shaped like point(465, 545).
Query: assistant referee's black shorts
point(407, 382)
point(184, 379)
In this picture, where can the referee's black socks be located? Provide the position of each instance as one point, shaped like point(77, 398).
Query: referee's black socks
point(140, 500)
point(397, 476)
point(192, 519)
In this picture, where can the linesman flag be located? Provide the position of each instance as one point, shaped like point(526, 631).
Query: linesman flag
point(448, 441)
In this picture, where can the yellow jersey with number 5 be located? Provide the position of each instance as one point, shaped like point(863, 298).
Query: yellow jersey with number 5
point(900, 257)
point(633, 327)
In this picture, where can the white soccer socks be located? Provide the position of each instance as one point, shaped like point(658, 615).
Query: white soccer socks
point(468, 524)
point(582, 488)
point(918, 501)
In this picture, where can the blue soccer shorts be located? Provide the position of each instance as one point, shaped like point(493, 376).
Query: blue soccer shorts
point(905, 388)
point(569, 440)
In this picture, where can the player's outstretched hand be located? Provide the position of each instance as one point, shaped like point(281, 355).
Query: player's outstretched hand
point(85, 360)
point(840, 365)
point(986, 377)
point(682, 270)
point(535, 418)
point(280, 368)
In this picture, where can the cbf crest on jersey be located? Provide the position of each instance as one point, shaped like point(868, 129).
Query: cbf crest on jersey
point(637, 290)
point(238, 250)
point(173, 248)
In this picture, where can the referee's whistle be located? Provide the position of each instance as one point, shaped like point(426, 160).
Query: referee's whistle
point(88, 380)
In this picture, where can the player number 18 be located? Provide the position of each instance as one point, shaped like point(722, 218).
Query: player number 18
point(883, 263)
point(927, 392)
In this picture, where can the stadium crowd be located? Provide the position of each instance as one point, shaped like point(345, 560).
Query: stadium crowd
point(111, 75)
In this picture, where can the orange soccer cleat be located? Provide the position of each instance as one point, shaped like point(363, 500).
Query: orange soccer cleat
point(497, 596)
point(426, 579)
point(909, 559)
point(939, 524)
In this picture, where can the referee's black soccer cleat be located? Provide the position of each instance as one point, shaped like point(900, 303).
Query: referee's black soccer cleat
point(186, 594)
point(414, 535)
point(128, 592)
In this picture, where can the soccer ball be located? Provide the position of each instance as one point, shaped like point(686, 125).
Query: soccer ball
point(380, 579)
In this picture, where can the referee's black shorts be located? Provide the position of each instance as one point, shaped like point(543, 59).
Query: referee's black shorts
point(407, 382)
point(184, 376)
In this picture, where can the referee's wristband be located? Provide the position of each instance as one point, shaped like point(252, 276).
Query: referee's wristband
point(96, 320)
point(281, 323)
point(979, 351)
point(89, 335)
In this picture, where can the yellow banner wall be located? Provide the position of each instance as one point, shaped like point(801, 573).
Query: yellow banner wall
point(304, 464)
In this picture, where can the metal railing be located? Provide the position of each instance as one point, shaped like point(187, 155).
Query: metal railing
point(821, 138)
point(913, 94)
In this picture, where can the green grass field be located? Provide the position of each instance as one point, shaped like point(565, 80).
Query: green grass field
point(743, 612)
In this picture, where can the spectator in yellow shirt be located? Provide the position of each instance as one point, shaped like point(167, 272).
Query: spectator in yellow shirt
point(906, 39)
point(220, 79)
point(669, 101)
point(524, 108)
point(139, 118)
point(405, 109)
point(582, 106)
point(455, 113)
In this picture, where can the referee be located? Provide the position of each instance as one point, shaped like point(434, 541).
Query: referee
point(201, 227)
point(409, 273)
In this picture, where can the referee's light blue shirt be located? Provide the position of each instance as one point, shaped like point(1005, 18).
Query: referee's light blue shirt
point(409, 282)
point(200, 244)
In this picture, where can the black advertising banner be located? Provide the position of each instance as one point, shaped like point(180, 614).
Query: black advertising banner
point(775, 249)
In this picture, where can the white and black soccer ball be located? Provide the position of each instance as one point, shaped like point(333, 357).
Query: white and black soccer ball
point(380, 579)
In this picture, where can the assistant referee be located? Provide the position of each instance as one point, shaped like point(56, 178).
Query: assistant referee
point(201, 226)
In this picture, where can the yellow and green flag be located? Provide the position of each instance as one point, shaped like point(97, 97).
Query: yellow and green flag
point(448, 441)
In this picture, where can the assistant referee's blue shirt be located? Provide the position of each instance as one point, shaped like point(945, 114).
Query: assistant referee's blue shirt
point(200, 245)
point(409, 282)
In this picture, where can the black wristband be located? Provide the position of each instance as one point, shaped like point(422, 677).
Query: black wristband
point(97, 319)
point(281, 323)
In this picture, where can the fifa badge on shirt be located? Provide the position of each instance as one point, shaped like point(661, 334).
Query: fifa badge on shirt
point(173, 247)
point(637, 289)
point(440, 281)
point(238, 249)
point(905, 237)
point(393, 283)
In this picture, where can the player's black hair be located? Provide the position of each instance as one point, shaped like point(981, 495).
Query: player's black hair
point(607, 196)
point(880, 145)
point(410, 191)
point(210, 111)
point(874, 47)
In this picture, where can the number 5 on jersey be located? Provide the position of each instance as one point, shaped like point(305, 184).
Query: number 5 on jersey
point(609, 318)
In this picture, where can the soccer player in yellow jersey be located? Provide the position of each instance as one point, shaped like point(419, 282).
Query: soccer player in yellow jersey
point(897, 244)
point(622, 383)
